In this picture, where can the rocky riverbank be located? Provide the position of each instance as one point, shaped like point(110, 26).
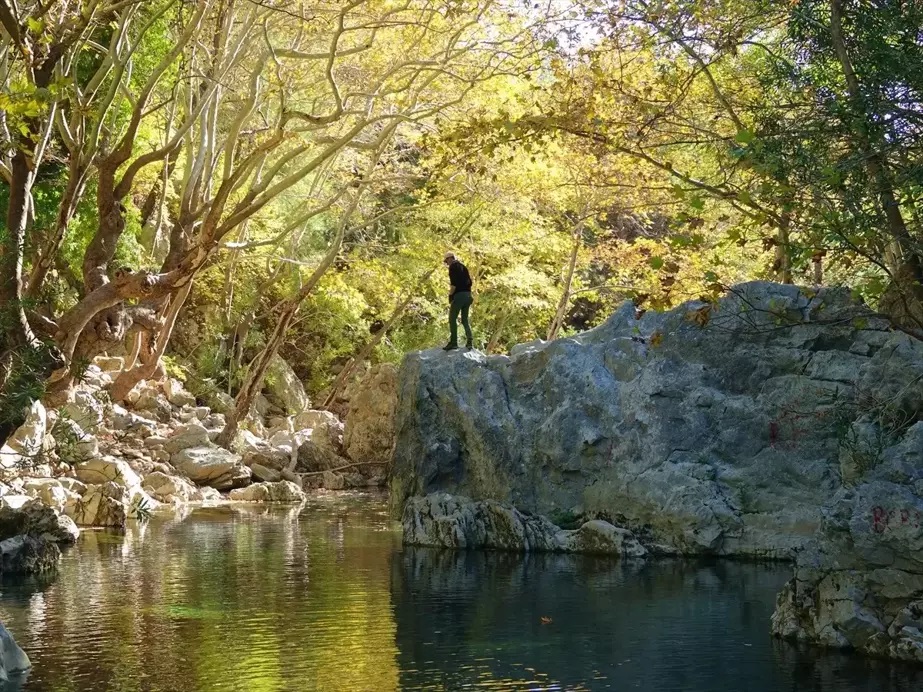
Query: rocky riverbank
point(92, 463)
point(778, 422)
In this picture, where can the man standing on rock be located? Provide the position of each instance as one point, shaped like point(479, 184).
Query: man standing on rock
point(459, 300)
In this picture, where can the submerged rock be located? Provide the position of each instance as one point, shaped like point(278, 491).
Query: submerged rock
point(456, 522)
point(281, 491)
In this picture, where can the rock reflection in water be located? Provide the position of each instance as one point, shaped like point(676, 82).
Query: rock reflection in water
point(501, 621)
point(272, 600)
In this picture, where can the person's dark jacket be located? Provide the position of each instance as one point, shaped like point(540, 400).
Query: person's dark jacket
point(459, 277)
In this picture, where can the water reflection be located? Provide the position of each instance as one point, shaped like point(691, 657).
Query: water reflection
point(222, 599)
point(495, 621)
point(263, 599)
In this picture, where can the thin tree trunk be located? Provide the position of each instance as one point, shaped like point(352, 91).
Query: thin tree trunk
point(558, 320)
point(498, 330)
point(76, 182)
point(253, 383)
point(366, 350)
point(783, 245)
point(17, 331)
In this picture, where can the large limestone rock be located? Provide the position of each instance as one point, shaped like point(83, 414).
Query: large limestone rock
point(106, 504)
point(176, 394)
point(326, 429)
point(716, 428)
point(859, 585)
point(24, 447)
point(212, 466)
point(283, 388)
point(73, 443)
point(281, 491)
point(369, 428)
point(106, 469)
point(13, 660)
point(313, 457)
point(185, 436)
point(443, 520)
point(51, 492)
point(170, 489)
point(85, 410)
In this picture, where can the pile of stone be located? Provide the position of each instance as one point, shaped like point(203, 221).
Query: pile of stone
point(92, 463)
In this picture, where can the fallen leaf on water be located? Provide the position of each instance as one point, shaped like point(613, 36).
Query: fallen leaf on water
point(546, 620)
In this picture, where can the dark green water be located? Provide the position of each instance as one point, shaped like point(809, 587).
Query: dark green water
point(262, 600)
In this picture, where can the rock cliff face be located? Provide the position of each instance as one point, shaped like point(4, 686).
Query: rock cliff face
point(719, 429)
point(778, 422)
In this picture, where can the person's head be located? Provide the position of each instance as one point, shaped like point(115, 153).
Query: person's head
point(449, 258)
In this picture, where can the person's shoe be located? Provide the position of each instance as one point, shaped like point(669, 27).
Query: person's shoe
point(449, 347)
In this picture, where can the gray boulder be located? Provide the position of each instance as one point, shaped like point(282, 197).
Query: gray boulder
point(185, 436)
point(26, 554)
point(85, 410)
point(105, 504)
point(13, 660)
point(212, 466)
point(36, 519)
point(369, 428)
point(315, 457)
point(280, 491)
point(283, 388)
point(717, 428)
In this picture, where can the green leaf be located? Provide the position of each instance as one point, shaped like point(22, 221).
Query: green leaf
point(697, 203)
point(655, 262)
point(744, 137)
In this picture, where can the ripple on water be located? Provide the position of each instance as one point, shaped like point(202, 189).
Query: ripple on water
point(250, 598)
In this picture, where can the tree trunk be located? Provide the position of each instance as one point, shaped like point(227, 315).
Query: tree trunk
point(254, 380)
point(498, 330)
point(150, 358)
point(558, 320)
point(875, 162)
point(366, 351)
point(16, 329)
point(783, 244)
point(76, 182)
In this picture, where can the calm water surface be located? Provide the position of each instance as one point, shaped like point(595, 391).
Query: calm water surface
point(261, 600)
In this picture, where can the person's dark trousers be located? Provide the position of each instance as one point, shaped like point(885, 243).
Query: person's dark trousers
point(461, 301)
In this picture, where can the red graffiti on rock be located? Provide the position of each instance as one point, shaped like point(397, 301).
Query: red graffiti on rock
point(883, 519)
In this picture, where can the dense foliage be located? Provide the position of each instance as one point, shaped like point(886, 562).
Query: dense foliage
point(218, 181)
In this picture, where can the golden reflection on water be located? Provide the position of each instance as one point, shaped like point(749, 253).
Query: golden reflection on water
point(228, 598)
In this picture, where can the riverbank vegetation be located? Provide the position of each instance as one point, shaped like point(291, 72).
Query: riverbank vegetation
point(203, 186)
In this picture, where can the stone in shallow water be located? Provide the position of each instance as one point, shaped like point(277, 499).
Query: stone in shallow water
point(281, 491)
point(13, 660)
point(27, 554)
point(103, 505)
point(212, 466)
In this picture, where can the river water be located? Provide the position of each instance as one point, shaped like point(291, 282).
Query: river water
point(269, 600)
